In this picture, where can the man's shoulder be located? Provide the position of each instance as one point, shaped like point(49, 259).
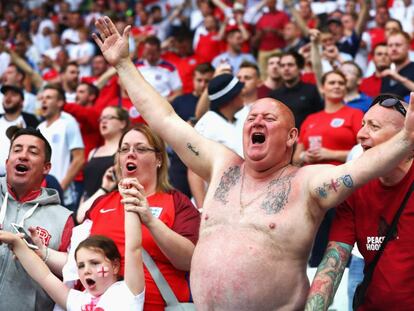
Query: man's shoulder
point(211, 118)
point(408, 70)
point(166, 65)
point(185, 98)
point(30, 119)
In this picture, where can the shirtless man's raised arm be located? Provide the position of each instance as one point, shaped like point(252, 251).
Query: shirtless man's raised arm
point(330, 185)
point(193, 149)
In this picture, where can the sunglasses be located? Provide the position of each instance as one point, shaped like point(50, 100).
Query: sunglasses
point(390, 102)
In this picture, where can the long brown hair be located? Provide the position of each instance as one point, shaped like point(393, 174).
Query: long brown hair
point(163, 183)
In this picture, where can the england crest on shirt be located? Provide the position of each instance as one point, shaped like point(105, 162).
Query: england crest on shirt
point(337, 122)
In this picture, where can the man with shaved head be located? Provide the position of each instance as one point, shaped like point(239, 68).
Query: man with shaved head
point(365, 218)
point(261, 213)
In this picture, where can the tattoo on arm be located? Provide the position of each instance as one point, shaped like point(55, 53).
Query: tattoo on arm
point(328, 276)
point(192, 149)
point(334, 185)
point(228, 180)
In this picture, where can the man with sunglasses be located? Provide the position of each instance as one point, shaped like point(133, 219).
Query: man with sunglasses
point(365, 217)
point(261, 213)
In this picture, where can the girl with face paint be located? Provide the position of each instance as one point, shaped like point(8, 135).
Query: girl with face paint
point(98, 262)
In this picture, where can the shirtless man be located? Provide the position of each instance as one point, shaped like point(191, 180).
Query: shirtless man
point(260, 214)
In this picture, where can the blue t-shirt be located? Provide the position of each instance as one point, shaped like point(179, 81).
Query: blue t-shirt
point(362, 102)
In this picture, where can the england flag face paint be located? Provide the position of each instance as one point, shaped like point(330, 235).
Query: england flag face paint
point(102, 271)
point(96, 272)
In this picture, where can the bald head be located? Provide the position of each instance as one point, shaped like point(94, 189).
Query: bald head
point(278, 107)
point(269, 135)
point(388, 115)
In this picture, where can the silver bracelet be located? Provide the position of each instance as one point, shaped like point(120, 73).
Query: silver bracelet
point(46, 258)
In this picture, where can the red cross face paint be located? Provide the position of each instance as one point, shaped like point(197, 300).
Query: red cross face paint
point(96, 272)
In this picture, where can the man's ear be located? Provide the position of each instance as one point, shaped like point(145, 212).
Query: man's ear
point(292, 136)
point(46, 168)
point(61, 103)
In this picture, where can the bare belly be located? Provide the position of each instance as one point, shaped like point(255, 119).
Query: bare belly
point(244, 269)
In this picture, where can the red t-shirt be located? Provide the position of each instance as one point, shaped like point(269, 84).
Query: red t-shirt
point(185, 67)
point(364, 218)
point(176, 211)
point(336, 131)
point(208, 47)
point(134, 116)
point(308, 77)
point(377, 35)
point(246, 43)
point(371, 86)
point(270, 40)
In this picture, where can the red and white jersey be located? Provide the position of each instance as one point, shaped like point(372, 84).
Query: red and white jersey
point(163, 77)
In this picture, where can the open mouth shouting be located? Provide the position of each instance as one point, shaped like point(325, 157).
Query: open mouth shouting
point(258, 138)
point(90, 283)
point(131, 167)
point(365, 147)
point(21, 168)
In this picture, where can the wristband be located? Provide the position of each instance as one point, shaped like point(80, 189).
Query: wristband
point(302, 156)
point(46, 258)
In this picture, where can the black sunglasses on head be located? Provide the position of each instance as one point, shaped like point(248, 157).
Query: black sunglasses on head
point(390, 102)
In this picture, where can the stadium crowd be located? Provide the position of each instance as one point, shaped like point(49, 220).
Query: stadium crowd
point(71, 130)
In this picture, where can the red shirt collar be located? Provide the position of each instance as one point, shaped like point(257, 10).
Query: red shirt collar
point(28, 197)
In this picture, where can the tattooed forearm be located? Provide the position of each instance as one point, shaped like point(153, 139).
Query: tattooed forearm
point(328, 276)
point(334, 186)
point(228, 180)
point(315, 303)
point(192, 149)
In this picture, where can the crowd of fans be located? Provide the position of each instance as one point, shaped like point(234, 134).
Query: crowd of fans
point(326, 60)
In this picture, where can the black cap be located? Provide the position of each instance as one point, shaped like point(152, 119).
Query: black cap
point(13, 88)
point(223, 89)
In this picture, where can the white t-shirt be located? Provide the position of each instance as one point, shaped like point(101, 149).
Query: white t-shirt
point(85, 49)
point(163, 77)
point(4, 62)
point(63, 136)
point(117, 297)
point(215, 127)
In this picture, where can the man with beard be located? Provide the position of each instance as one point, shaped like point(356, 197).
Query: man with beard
point(273, 80)
point(371, 85)
point(302, 98)
point(398, 79)
point(13, 115)
point(63, 133)
point(233, 55)
point(16, 76)
point(69, 80)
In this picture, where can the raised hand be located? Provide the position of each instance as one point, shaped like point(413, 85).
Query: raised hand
point(314, 35)
point(134, 199)
point(114, 47)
